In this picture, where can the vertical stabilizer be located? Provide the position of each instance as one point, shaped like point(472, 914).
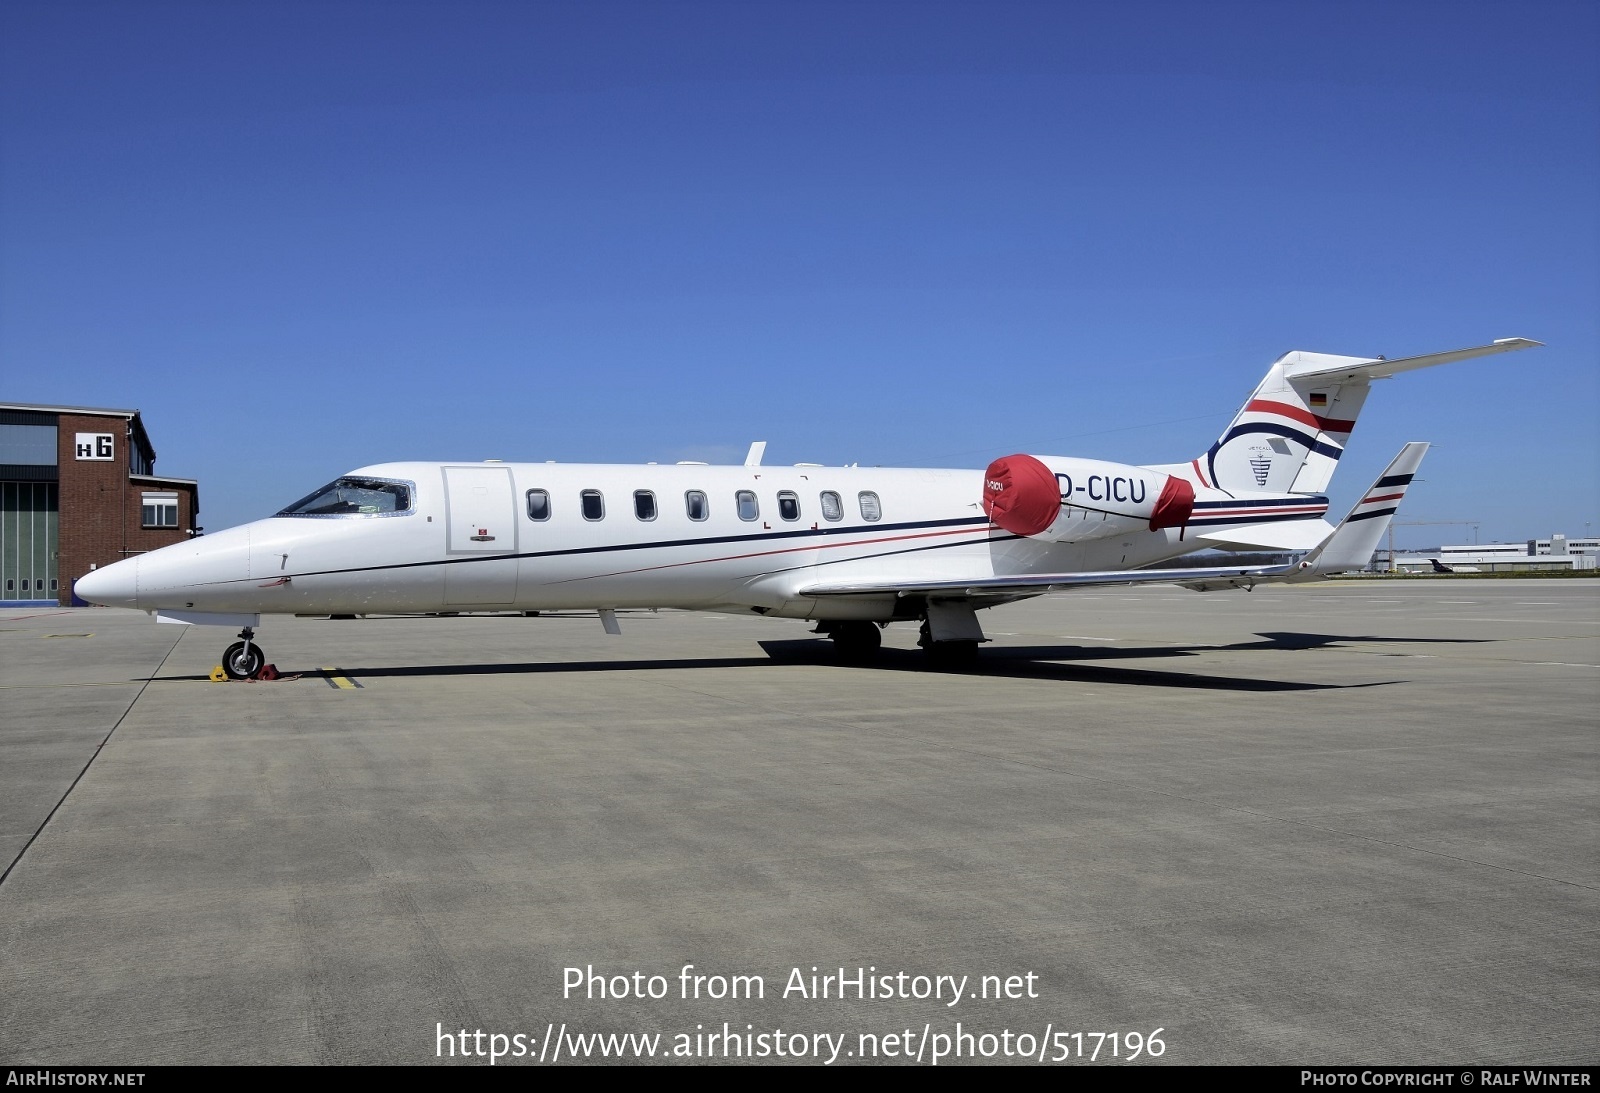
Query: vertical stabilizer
point(1290, 433)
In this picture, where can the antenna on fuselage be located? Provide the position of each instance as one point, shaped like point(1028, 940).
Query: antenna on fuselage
point(758, 448)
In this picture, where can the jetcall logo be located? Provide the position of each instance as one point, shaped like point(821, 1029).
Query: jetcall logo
point(1260, 465)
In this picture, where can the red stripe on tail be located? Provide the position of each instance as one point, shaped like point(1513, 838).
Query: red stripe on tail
point(1304, 417)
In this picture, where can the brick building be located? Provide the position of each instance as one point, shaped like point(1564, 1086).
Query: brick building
point(78, 490)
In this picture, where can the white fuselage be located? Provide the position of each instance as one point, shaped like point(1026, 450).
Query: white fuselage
point(843, 545)
point(468, 543)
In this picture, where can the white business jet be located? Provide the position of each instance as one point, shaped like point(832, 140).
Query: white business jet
point(849, 548)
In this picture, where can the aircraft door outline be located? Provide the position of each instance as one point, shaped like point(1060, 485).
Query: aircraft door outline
point(481, 510)
point(480, 522)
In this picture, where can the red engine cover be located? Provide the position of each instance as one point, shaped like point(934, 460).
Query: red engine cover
point(1174, 506)
point(1020, 494)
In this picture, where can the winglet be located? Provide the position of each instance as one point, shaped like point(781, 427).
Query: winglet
point(1353, 542)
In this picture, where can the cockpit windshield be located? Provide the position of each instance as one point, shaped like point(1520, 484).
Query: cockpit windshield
point(354, 497)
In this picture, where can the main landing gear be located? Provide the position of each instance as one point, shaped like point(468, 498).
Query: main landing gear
point(858, 643)
point(854, 642)
point(243, 659)
point(946, 654)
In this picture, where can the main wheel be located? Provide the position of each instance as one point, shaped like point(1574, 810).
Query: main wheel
point(243, 659)
point(952, 654)
point(856, 642)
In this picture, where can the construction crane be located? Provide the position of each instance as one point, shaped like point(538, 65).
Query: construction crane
point(1473, 524)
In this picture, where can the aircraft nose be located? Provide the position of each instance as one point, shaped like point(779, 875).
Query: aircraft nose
point(117, 585)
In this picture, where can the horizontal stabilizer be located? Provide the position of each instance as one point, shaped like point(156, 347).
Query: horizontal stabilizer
point(1287, 535)
point(1318, 366)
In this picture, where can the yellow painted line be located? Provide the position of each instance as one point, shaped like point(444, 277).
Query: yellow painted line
point(338, 681)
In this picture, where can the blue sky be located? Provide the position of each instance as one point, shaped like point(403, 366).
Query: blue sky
point(306, 237)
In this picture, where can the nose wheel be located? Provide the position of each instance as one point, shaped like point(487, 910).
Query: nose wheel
point(243, 659)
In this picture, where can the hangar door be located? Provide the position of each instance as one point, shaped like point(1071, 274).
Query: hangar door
point(481, 566)
point(29, 540)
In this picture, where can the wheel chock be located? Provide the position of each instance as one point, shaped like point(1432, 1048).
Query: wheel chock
point(268, 673)
point(218, 675)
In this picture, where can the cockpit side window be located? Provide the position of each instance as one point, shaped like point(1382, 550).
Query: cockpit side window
point(355, 497)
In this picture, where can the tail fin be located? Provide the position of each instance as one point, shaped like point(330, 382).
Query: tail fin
point(1289, 435)
point(1354, 541)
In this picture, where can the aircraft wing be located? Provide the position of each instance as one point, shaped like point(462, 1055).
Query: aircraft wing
point(1034, 584)
point(1353, 542)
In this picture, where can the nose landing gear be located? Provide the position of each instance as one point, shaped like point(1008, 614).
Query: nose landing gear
point(243, 659)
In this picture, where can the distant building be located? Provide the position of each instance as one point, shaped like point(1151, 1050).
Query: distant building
point(78, 490)
point(1559, 545)
point(1556, 552)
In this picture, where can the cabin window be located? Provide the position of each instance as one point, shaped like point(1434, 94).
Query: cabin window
point(593, 505)
point(55, 585)
point(870, 509)
point(644, 504)
point(159, 510)
point(788, 505)
point(832, 507)
point(355, 497)
point(696, 505)
point(11, 584)
point(748, 509)
point(538, 504)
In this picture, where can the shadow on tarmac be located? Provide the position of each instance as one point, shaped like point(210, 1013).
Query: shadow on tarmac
point(1063, 663)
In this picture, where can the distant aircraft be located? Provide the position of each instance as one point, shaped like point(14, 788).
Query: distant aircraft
point(1440, 567)
point(849, 548)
